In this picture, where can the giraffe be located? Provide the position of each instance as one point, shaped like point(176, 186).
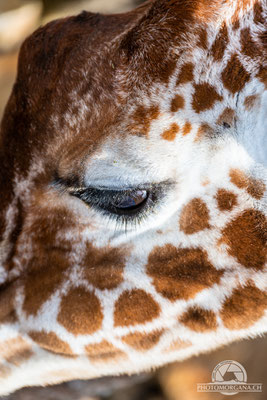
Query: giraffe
point(133, 191)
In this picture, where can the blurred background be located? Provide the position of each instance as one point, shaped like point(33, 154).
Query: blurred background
point(18, 18)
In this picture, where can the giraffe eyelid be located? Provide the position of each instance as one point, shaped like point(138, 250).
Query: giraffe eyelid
point(101, 201)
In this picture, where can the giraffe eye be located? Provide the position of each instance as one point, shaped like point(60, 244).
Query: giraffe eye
point(128, 207)
point(131, 200)
point(119, 202)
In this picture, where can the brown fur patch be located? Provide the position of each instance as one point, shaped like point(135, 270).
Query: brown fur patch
point(262, 76)
point(251, 101)
point(187, 128)
point(194, 217)
point(234, 76)
point(204, 97)
point(199, 320)
point(186, 74)
point(236, 24)
point(246, 237)
point(170, 134)
point(45, 270)
point(13, 236)
point(10, 319)
point(103, 351)
point(41, 283)
point(226, 200)
point(219, 46)
point(206, 182)
point(168, 68)
point(142, 118)
point(5, 371)
point(142, 341)
point(80, 312)
point(135, 307)
point(103, 268)
point(178, 345)
point(181, 273)
point(22, 356)
point(244, 307)
point(50, 341)
point(248, 45)
point(258, 14)
point(254, 187)
point(228, 116)
point(7, 313)
point(177, 103)
point(204, 130)
point(202, 38)
point(15, 351)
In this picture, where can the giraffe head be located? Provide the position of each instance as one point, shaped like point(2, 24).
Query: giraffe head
point(133, 191)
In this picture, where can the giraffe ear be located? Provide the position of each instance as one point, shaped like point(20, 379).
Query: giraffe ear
point(156, 40)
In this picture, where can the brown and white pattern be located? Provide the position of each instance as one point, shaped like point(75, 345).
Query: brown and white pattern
point(169, 99)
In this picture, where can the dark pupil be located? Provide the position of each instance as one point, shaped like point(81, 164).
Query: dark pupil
point(130, 200)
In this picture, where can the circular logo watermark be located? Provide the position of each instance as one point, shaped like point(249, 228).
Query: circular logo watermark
point(229, 373)
point(229, 377)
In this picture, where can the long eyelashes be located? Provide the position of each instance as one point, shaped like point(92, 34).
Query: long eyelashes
point(126, 208)
point(121, 202)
